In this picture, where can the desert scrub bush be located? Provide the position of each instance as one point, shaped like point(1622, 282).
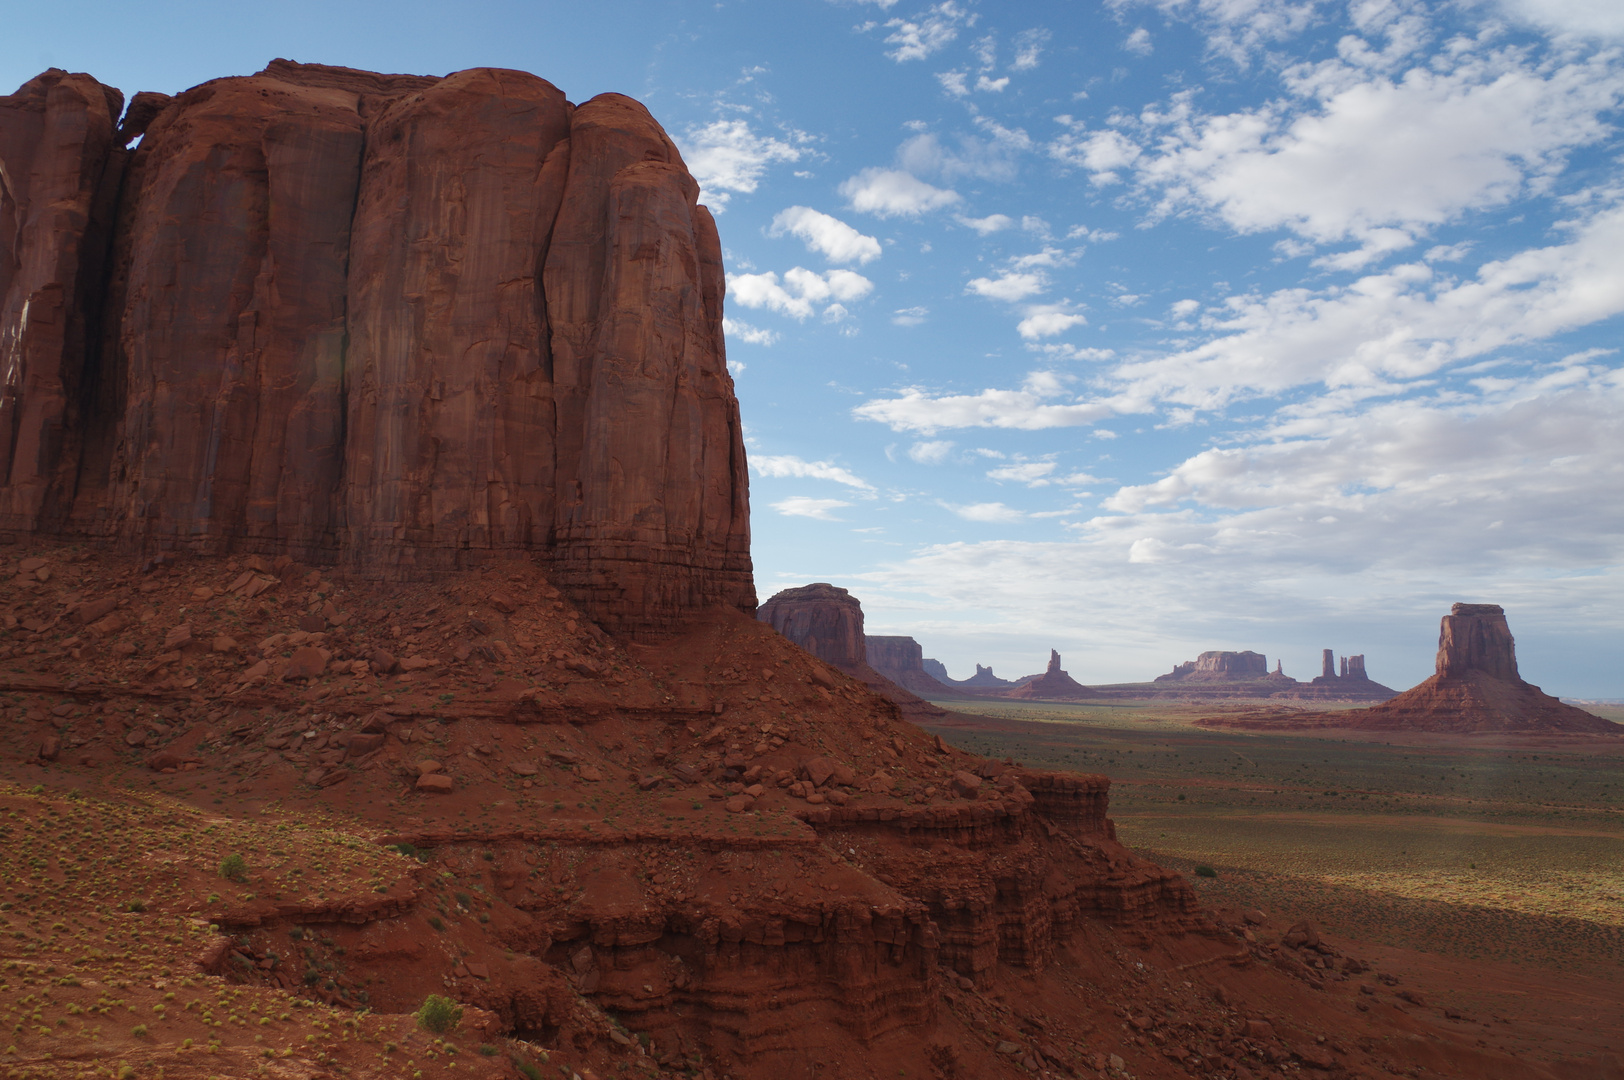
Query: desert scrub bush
point(1205, 871)
point(437, 1015)
point(234, 868)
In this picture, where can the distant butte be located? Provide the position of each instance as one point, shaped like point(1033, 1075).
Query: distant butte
point(1476, 687)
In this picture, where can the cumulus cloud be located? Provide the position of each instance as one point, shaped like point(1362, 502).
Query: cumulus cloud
point(1029, 46)
point(995, 513)
point(1009, 286)
point(930, 453)
point(910, 316)
point(1104, 154)
point(1047, 321)
point(894, 193)
point(827, 235)
point(1028, 409)
point(808, 507)
point(1031, 473)
point(1366, 157)
point(986, 225)
point(1138, 43)
point(801, 291)
point(788, 465)
point(750, 335)
point(1601, 19)
point(923, 35)
point(992, 155)
point(728, 158)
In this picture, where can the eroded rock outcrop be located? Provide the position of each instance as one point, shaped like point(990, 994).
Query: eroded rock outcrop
point(827, 621)
point(1476, 687)
point(1054, 683)
point(1220, 667)
point(982, 678)
point(395, 322)
point(901, 659)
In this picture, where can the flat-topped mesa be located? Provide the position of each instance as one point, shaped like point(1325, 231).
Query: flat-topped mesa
point(902, 660)
point(1217, 666)
point(823, 619)
point(827, 621)
point(397, 323)
point(1475, 637)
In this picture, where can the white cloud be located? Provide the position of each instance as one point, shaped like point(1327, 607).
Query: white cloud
point(1030, 473)
point(1138, 43)
point(909, 316)
point(995, 155)
point(1103, 153)
point(726, 157)
point(1183, 309)
point(1582, 18)
point(954, 83)
point(1373, 153)
point(826, 235)
point(788, 465)
point(801, 290)
point(750, 335)
point(1026, 409)
point(994, 513)
point(807, 507)
point(1398, 325)
point(1029, 48)
point(1047, 321)
point(1009, 286)
point(992, 86)
point(930, 453)
point(894, 193)
point(917, 38)
point(990, 224)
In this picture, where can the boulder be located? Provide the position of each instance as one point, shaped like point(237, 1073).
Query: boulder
point(436, 782)
point(306, 662)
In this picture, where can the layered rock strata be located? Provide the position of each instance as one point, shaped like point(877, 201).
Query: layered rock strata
point(1220, 667)
point(393, 322)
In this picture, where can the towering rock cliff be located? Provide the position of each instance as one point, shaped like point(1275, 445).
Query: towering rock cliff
point(397, 323)
point(1476, 687)
point(1220, 667)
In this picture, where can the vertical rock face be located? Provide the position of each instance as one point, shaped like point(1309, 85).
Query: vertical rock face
point(1328, 664)
point(396, 322)
point(823, 619)
point(59, 171)
point(1053, 683)
point(902, 660)
point(1475, 637)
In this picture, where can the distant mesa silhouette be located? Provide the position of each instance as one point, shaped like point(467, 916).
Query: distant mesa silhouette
point(1053, 684)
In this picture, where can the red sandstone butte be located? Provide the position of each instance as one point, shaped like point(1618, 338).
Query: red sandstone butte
point(1054, 683)
point(827, 621)
point(390, 322)
point(1477, 687)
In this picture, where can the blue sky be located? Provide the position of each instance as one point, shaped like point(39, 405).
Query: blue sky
point(1130, 329)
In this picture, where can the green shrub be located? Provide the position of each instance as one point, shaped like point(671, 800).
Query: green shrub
point(487, 1050)
point(438, 1015)
point(1205, 871)
point(234, 868)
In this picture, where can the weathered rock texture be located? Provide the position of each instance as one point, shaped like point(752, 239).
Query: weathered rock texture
point(1053, 683)
point(1219, 667)
point(394, 322)
point(827, 621)
point(901, 660)
point(1476, 686)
